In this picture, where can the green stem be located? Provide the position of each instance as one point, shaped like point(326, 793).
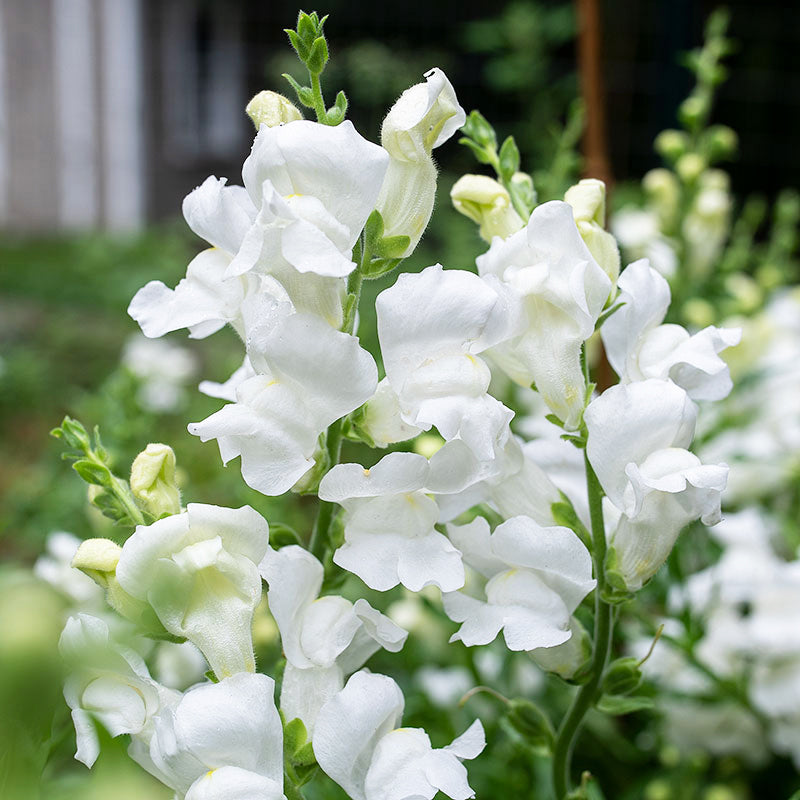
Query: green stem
point(320, 534)
point(587, 695)
point(319, 102)
point(124, 495)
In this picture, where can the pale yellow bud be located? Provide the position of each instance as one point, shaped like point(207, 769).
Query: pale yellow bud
point(153, 480)
point(486, 202)
point(588, 201)
point(671, 144)
point(690, 166)
point(663, 191)
point(271, 109)
point(98, 559)
point(428, 444)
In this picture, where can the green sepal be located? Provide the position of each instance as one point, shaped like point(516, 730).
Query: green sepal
point(298, 752)
point(336, 113)
point(353, 428)
point(378, 267)
point(281, 535)
point(555, 420)
point(509, 159)
point(606, 314)
point(616, 591)
point(318, 56)
point(478, 129)
point(621, 677)
point(304, 93)
point(531, 723)
point(617, 706)
point(110, 506)
point(391, 248)
point(73, 433)
point(210, 676)
point(564, 514)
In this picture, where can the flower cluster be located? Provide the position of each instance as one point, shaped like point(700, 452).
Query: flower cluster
point(513, 545)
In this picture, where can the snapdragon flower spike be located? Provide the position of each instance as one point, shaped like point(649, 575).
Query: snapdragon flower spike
point(358, 743)
point(563, 290)
point(431, 326)
point(640, 347)
point(425, 116)
point(309, 375)
point(638, 435)
point(218, 726)
point(198, 570)
point(536, 577)
point(324, 639)
point(314, 187)
point(389, 532)
point(108, 682)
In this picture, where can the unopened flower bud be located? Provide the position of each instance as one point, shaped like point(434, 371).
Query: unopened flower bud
point(588, 201)
point(622, 676)
point(722, 141)
point(671, 144)
point(486, 201)
point(271, 109)
point(692, 110)
point(153, 480)
point(98, 559)
point(699, 312)
point(690, 166)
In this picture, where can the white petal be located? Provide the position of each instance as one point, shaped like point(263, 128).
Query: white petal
point(219, 214)
point(233, 783)
point(305, 691)
point(629, 422)
point(395, 473)
point(350, 725)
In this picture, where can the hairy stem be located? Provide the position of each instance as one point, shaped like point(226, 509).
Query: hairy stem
point(587, 695)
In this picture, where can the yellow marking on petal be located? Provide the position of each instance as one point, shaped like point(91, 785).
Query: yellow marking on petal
point(292, 196)
point(366, 473)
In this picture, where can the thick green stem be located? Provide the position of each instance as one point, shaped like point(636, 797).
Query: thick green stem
point(587, 695)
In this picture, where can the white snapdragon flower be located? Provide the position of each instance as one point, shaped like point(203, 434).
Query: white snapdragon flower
point(108, 682)
point(425, 116)
point(314, 187)
point(198, 570)
point(358, 743)
point(216, 727)
point(324, 638)
point(309, 375)
point(431, 326)
point(640, 347)
point(563, 289)
point(536, 577)
point(638, 435)
point(389, 532)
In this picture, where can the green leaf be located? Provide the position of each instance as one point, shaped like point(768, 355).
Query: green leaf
point(484, 156)
point(297, 43)
point(477, 127)
point(73, 433)
point(617, 706)
point(307, 26)
point(304, 93)
point(295, 737)
point(509, 158)
point(92, 472)
point(318, 57)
